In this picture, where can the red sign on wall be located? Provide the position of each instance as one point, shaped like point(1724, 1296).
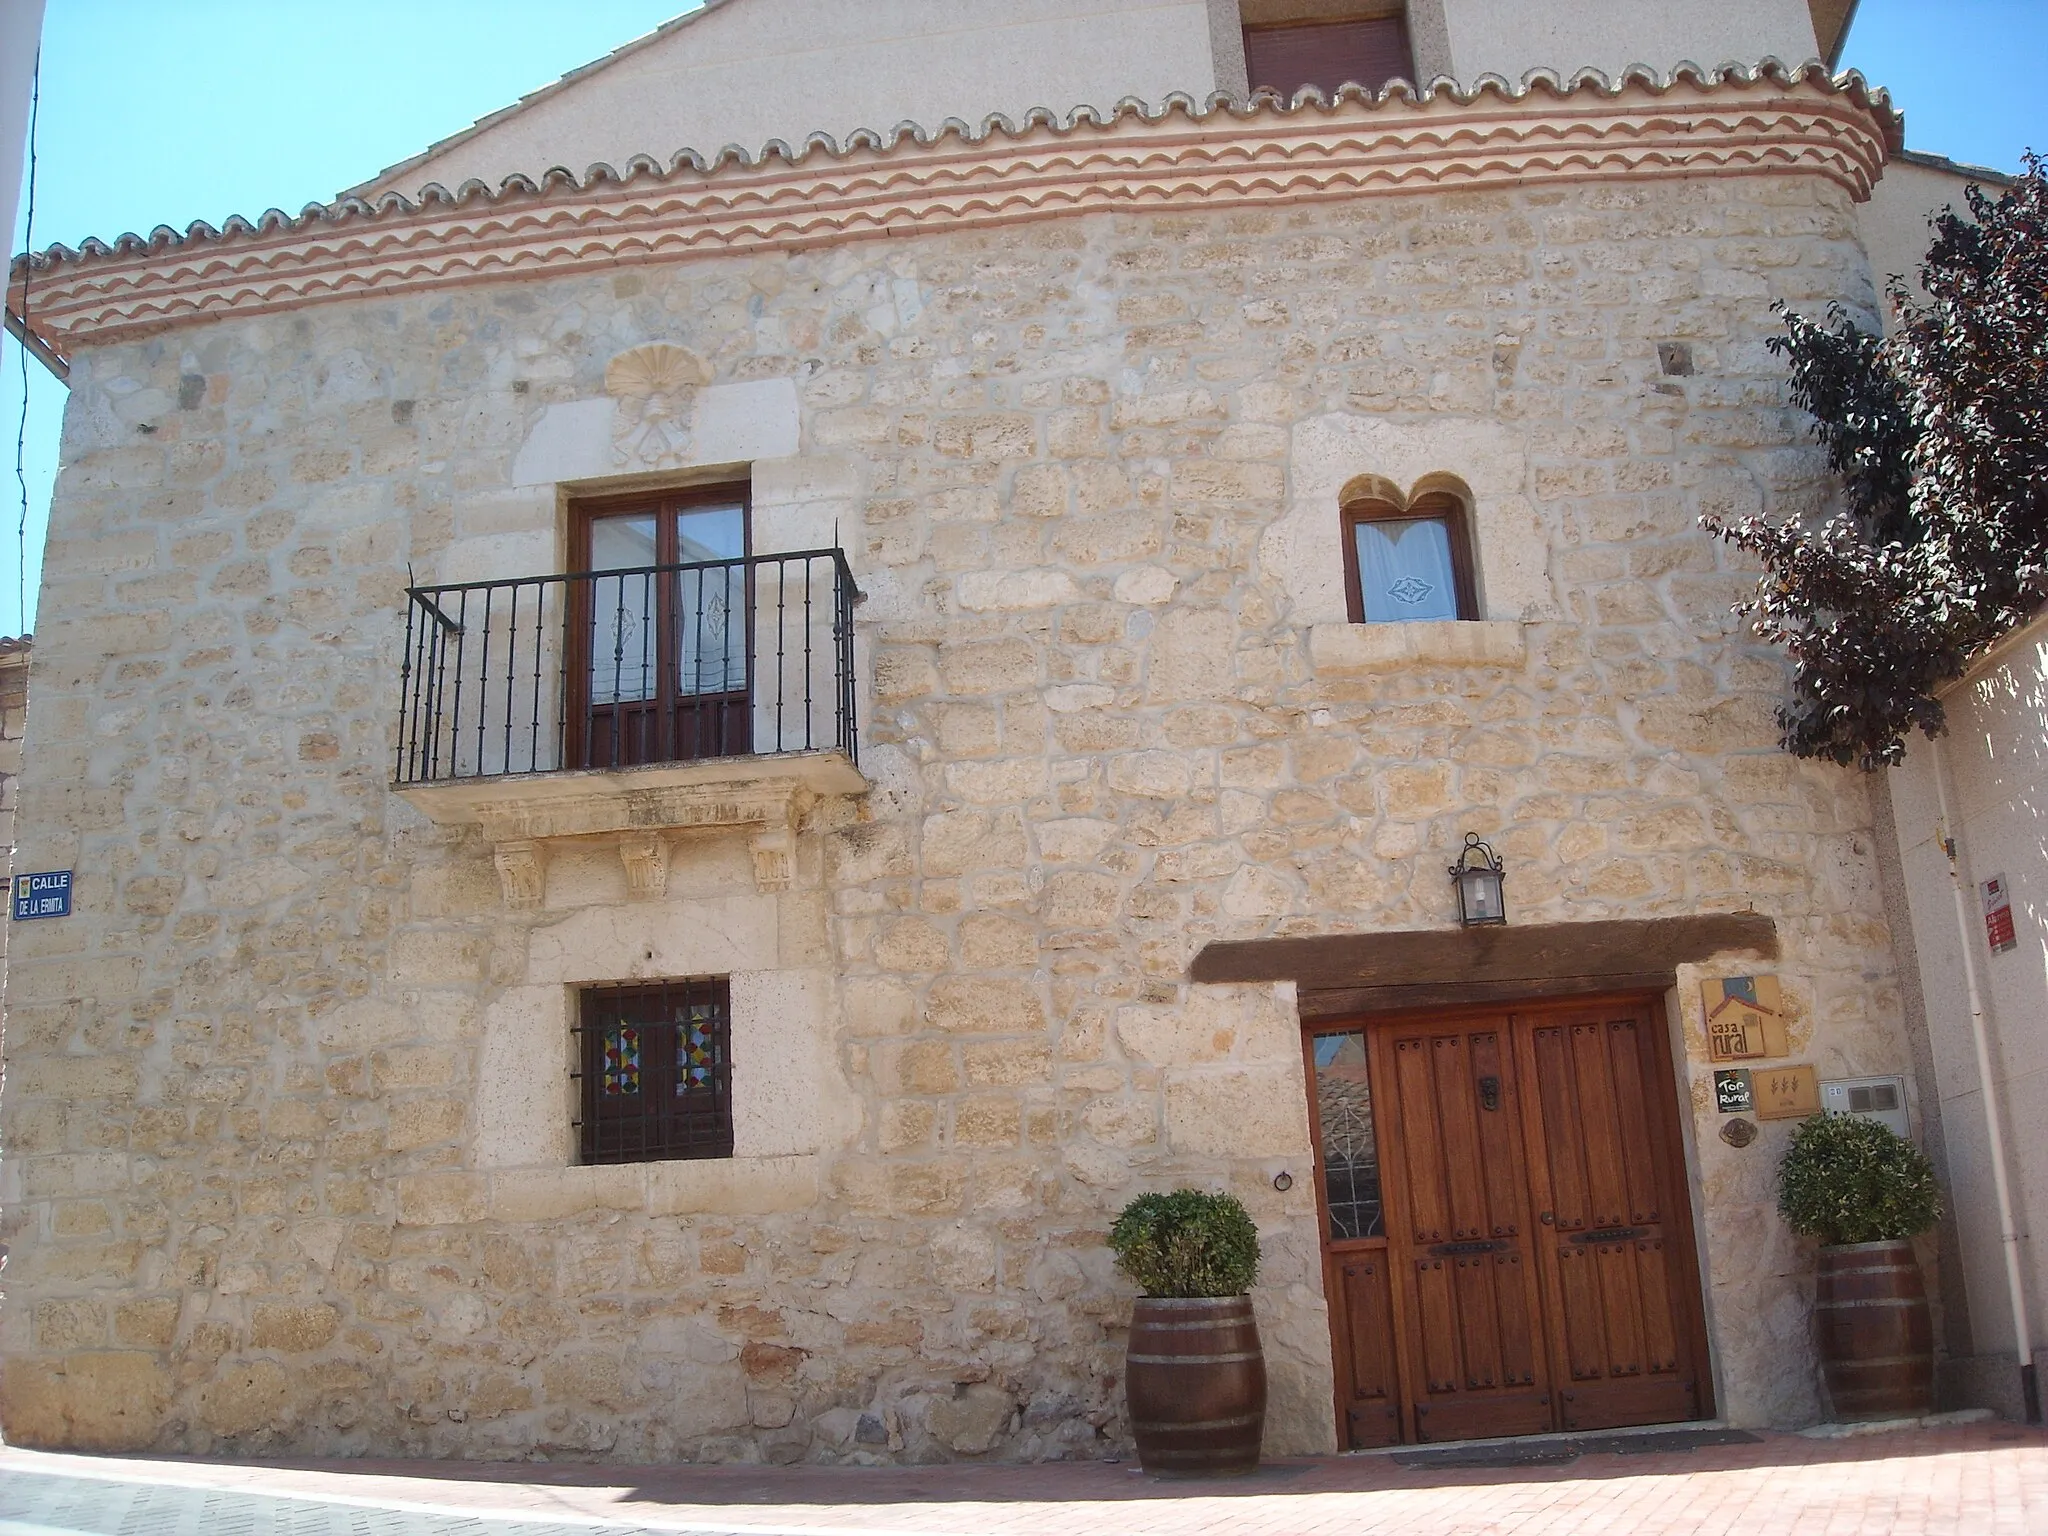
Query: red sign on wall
point(1998, 926)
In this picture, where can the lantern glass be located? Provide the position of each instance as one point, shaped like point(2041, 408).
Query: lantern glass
point(1479, 876)
point(1480, 899)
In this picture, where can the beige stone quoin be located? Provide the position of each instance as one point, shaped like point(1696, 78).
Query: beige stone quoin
point(288, 1164)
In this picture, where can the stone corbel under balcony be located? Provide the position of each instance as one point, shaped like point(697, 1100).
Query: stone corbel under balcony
point(638, 810)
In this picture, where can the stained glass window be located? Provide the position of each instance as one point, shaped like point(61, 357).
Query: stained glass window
point(697, 1048)
point(621, 1060)
point(1351, 1159)
point(656, 1071)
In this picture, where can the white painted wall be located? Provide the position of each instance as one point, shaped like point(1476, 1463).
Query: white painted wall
point(749, 71)
point(1894, 221)
point(1997, 759)
point(21, 30)
point(1512, 37)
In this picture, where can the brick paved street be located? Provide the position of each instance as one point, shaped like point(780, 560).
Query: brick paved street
point(1973, 1480)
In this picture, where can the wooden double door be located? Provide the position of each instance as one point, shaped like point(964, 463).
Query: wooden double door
point(1508, 1242)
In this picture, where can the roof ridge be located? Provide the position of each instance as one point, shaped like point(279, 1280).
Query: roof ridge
point(734, 157)
point(1963, 168)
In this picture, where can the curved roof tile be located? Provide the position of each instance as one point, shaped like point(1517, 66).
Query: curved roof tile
point(1135, 156)
point(736, 157)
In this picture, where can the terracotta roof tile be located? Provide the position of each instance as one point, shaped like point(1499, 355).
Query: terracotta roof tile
point(1537, 83)
point(1772, 119)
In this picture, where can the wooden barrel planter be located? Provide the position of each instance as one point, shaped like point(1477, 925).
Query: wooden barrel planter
point(1876, 1337)
point(1195, 1378)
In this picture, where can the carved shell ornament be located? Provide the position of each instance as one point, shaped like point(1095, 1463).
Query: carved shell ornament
point(656, 389)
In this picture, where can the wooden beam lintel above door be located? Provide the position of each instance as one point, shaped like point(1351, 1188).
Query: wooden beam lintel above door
point(1364, 972)
point(1317, 1004)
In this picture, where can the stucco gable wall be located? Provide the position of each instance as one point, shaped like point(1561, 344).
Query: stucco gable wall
point(1512, 37)
point(751, 71)
point(1895, 222)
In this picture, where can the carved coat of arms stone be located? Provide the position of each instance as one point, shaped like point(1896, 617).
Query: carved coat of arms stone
point(656, 389)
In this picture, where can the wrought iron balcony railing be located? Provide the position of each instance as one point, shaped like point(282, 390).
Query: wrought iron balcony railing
point(618, 669)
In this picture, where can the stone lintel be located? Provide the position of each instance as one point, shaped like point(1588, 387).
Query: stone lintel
point(636, 808)
point(1339, 648)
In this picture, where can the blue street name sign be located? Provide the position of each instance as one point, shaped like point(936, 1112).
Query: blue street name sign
point(45, 895)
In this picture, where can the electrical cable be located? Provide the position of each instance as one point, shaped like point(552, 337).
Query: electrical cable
point(28, 244)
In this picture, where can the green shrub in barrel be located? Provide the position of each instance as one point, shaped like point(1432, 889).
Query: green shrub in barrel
point(1187, 1244)
point(1194, 1373)
point(1865, 1192)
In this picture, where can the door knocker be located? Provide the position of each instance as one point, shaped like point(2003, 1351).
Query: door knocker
point(1489, 1093)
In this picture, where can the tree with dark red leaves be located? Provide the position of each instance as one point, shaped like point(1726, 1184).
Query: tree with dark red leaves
point(1939, 434)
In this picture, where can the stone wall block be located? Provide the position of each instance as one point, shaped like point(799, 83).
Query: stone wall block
point(293, 1329)
point(93, 1400)
point(1257, 1112)
point(441, 1199)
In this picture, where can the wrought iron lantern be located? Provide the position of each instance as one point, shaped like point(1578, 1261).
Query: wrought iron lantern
point(1478, 876)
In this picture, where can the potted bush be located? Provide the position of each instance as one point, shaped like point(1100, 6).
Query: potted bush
point(1865, 1192)
point(1194, 1374)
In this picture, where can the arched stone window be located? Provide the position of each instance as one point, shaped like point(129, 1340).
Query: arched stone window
point(1407, 558)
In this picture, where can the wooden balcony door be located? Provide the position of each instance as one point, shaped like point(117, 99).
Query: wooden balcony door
point(661, 658)
point(1507, 1248)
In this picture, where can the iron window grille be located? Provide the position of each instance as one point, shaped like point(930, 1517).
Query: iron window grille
point(655, 1071)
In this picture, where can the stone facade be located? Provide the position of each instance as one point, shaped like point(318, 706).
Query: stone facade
point(14, 664)
point(287, 1152)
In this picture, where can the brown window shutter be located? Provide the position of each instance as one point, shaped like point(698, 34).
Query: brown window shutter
point(1328, 54)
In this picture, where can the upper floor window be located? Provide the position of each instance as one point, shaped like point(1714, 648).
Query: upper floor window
point(1407, 563)
point(1290, 45)
point(662, 628)
point(656, 1069)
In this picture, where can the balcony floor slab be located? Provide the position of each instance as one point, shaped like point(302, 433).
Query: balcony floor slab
point(522, 813)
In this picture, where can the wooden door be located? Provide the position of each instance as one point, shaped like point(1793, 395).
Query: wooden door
point(1507, 1240)
point(1607, 1182)
point(1458, 1222)
point(1355, 1274)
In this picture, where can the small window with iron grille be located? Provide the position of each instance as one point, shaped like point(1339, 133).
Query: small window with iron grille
point(656, 1071)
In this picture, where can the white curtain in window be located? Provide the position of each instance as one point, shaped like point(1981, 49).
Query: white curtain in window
point(1404, 570)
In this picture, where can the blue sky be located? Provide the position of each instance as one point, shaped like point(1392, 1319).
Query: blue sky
point(163, 113)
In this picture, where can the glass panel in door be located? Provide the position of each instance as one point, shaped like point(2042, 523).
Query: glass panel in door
point(1356, 1278)
point(625, 657)
point(711, 604)
point(1351, 1159)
